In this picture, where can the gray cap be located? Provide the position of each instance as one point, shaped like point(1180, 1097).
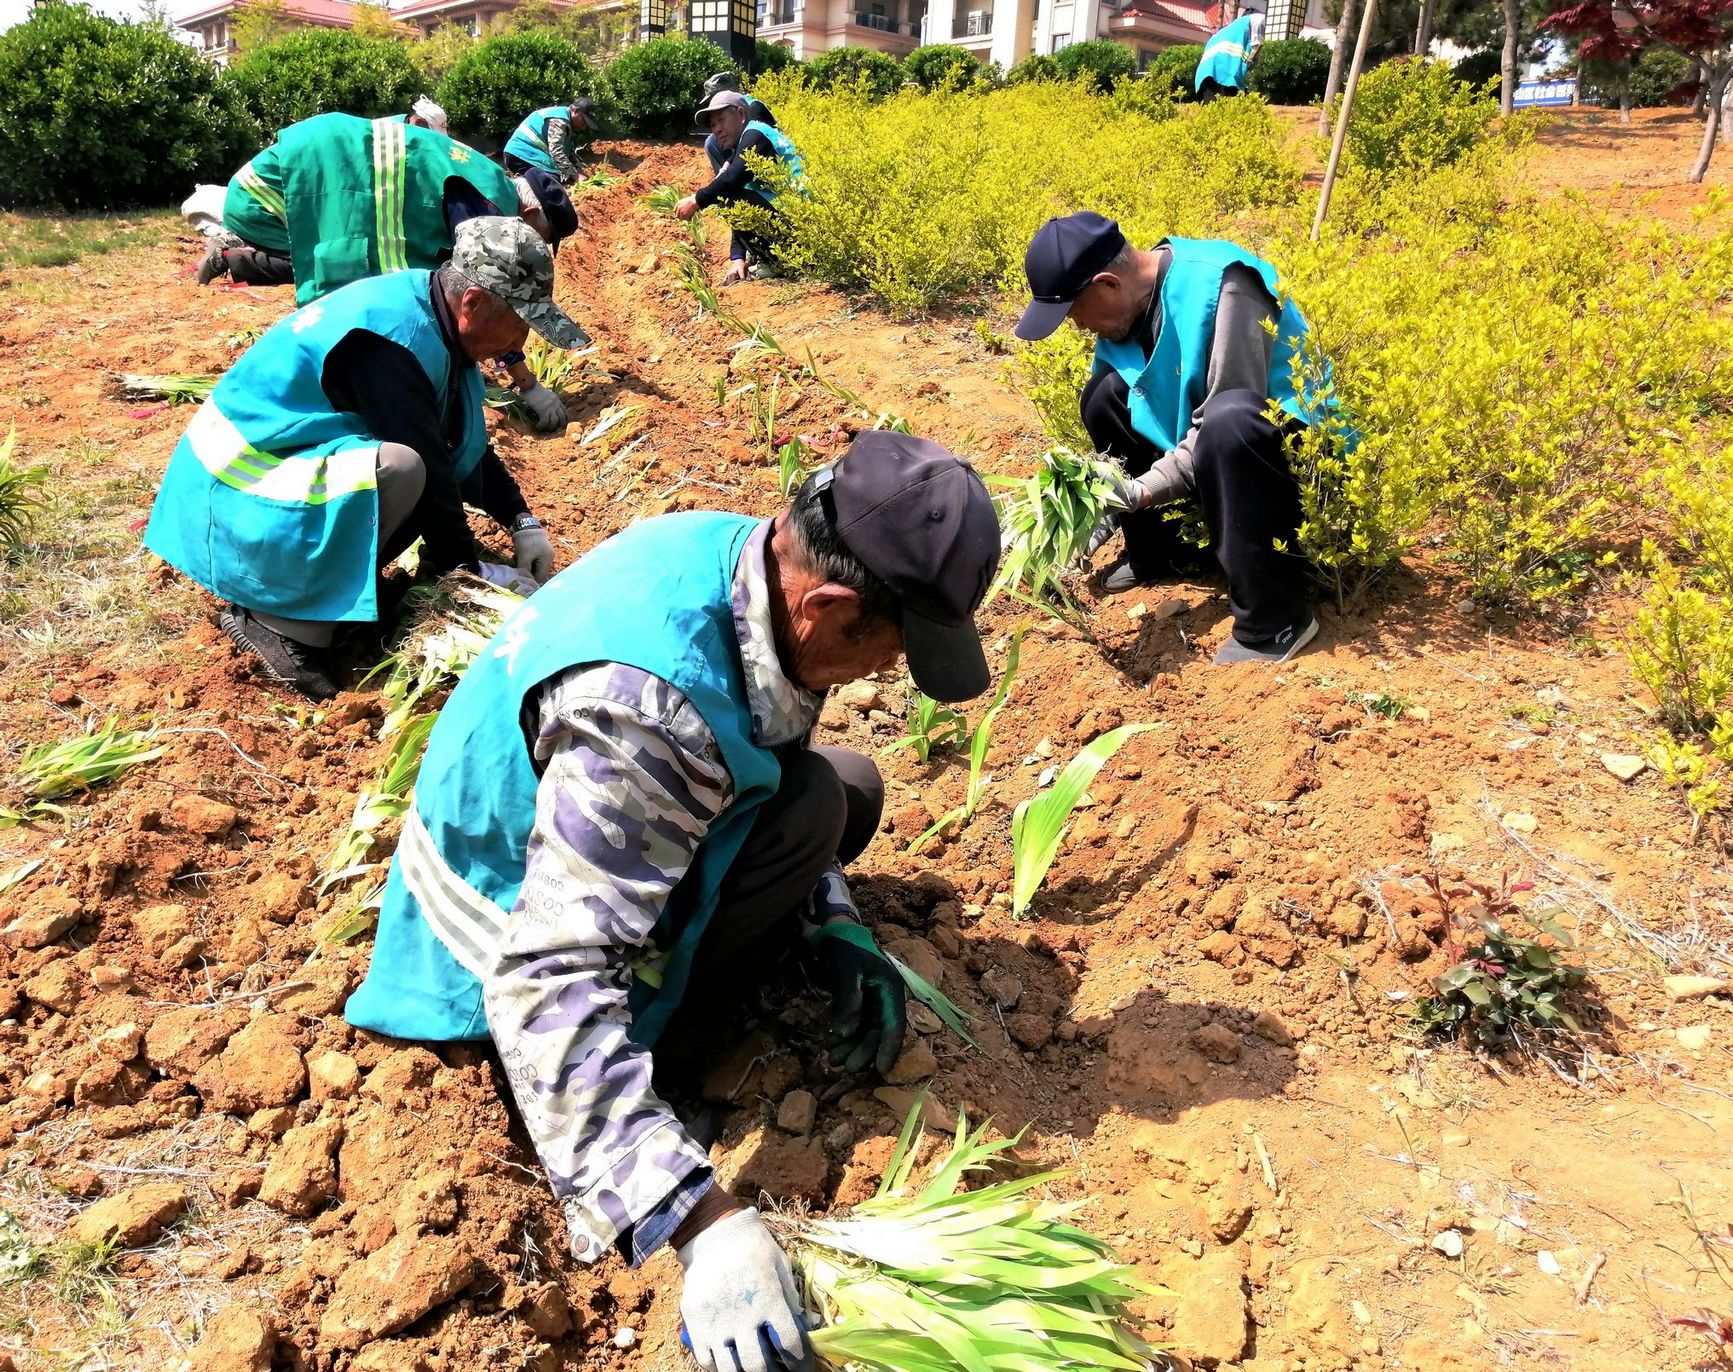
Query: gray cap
point(722, 100)
point(722, 81)
point(508, 259)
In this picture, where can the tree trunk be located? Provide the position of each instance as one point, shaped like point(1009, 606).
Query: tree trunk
point(1423, 34)
point(1625, 93)
point(1697, 101)
point(1338, 58)
point(1717, 93)
point(1507, 65)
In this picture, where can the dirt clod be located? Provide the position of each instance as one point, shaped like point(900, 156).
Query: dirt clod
point(915, 1063)
point(798, 1112)
point(784, 1169)
point(333, 1076)
point(1210, 1323)
point(259, 1067)
point(396, 1286)
point(302, 1174)
point(159, 927)
point(134, 1217)
point(59, 986)
point(428, 1202)
point(236, 1339)
point(50, 914)
point(203, 816)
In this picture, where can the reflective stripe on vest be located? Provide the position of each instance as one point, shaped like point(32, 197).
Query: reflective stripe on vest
point(270, 199)
point(390, 171)
point(471, 926)
point(310, 479)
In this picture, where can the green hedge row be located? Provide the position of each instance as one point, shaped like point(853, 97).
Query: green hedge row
point(97, 113)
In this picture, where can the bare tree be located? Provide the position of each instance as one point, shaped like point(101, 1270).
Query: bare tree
point(1507, 63)
point(1338, 58)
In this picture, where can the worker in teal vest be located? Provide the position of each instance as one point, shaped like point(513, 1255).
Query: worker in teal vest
point(1226, 64)
point(728, 116)
point(1194, 348)
point(338, 198)
point(351, 428)
point(622, 826)
point(553, 139)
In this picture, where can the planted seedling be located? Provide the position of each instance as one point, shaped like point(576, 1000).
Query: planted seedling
point(933, 1278)
point(979, 742)
point(20, 496)
point(792, 461)
point(1384, 705)
point(1039, 823)
point(1501, 983)
point(932, 727)
point(935, 1000)
point(53, 771)
point(1046, 521)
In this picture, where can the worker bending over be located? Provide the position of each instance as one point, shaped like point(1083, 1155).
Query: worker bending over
point(728, 116)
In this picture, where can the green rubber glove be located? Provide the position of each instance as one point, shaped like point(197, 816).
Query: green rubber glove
point(867, 1015)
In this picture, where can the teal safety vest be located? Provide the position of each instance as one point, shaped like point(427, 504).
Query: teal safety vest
point(1227, 56)
point(530, 139)
point(786, 153)
point(253, 207)
point(367, 196)
point(271, 498)
point(657, 597)
point(1168, 386)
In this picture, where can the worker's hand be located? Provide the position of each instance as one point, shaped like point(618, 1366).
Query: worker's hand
point(867, 1014)
point(737, 271)
point(739, 1301)
point(507, 578)
point(535, 552)
point(686, 208)
point(547, 410)
point(1128, 494)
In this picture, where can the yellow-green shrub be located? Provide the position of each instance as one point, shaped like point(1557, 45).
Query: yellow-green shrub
point(926, 196)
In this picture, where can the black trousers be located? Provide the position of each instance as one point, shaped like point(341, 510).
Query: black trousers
point(1211, 89)
point(259, 266)
point(826, 810)
point(759, 247)
point(1248, 494)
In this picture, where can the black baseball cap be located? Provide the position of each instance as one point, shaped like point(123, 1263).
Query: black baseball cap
point(583, 110)
point(1062, 260)
point(923, 523)
point(555, 203)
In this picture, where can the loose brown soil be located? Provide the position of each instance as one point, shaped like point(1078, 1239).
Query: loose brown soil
point(1205, 1020)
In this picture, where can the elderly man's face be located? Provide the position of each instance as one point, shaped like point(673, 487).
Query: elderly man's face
point(727, 124)
point(831, 644)
point(487, 326)
point(1108, 307)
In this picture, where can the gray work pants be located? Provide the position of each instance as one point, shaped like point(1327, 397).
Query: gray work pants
point(402, 477)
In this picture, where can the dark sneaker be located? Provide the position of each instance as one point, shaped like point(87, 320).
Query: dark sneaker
point(1278, 649)
point(213, 265)
point(285, 661)
point(1120, 578)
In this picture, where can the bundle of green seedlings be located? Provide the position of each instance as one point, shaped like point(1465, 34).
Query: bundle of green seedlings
point(52, 771)
point(20, 497)
point(1046, 520)
point(176, 390)
point(446, 627)
point(934, 1278)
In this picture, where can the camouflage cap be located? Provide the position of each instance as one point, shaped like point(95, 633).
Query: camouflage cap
point(508, 259)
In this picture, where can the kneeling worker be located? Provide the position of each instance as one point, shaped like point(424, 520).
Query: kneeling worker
point(1191, 348)
point(350, 429)
point(621, 819)
point(728, 116)
point(337, 198)
point(552, 139)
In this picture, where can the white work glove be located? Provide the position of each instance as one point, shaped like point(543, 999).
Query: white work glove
point(547, 410)
point(507, 578)
point(739, 1302)
point(1129, 493)
point(535, 552)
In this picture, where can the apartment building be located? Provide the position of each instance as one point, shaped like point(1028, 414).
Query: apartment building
point(211, 26)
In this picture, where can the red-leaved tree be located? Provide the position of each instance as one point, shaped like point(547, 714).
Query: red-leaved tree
point(1615, 31)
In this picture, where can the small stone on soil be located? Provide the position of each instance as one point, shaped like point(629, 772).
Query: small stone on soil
point(797, 1113)
point(915, 1063)
point(236, 1339)
point(1005, 989)
point(133, 1218)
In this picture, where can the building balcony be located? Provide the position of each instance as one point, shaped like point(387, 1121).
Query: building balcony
point(976, 23)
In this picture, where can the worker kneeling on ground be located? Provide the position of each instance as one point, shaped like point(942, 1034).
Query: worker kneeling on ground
point(756, 112)
point(337, 198)
point(621, 819)
point(552, 139)
point(350, 429)
point(728, 116)
point(1226, 65)
point(1192, 347)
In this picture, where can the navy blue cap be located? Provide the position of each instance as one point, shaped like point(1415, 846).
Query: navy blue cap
point(1063, 258)
point(923, 523)
point(555, 203)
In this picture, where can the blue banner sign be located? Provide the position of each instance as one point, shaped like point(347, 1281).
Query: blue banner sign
point(1531, 93)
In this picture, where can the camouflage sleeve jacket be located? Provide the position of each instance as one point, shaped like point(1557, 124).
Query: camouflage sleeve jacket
point(558, 137)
